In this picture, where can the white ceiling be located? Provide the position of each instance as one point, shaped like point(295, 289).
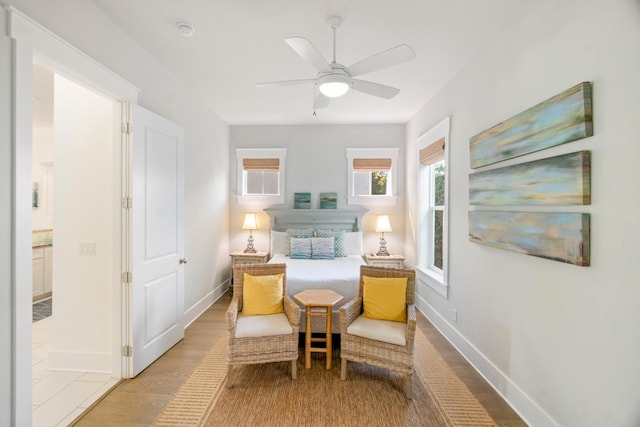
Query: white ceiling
point(240, 43)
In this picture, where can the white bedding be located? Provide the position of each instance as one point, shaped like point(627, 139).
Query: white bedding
point(342, 275)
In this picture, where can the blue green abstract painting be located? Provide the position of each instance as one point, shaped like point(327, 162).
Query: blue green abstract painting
point(302, 200)
point(559, 180)
point(563, 118)
point(328, 200)
point(563, 237)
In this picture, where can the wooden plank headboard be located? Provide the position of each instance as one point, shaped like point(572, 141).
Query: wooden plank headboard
point(331, 219)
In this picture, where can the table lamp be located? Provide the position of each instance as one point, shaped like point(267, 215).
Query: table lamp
point(383, 225)
point(250, 223)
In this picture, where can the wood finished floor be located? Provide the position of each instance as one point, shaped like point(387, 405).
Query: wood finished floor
point(138, 401)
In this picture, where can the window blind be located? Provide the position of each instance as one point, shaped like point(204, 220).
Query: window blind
point(264, 165)
point(371, 165)
point(432, 153)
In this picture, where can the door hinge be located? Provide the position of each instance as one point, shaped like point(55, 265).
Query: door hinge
point(127, 351)
point(127, 202)
point(127, 277)
point(127, 128)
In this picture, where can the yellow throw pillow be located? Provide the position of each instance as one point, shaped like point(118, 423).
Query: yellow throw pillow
point(385, 298)
point(262, 294)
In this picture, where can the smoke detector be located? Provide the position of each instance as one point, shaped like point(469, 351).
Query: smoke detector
point(186, 30)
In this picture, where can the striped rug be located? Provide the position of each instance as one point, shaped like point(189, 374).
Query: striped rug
point(265, 395)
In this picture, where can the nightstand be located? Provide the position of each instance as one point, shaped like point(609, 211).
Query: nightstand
point(240, 257)
point(390, 261)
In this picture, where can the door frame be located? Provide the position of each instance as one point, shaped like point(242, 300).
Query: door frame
point(31, 40)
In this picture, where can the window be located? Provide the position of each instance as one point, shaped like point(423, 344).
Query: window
point(432, 245)
point(260, 175)
point(370, 175)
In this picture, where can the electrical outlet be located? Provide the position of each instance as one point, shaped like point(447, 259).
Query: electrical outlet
point(455, 315)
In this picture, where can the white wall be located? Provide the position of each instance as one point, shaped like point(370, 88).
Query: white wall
point(317, 162)
point(86, 193)
point(560, 342)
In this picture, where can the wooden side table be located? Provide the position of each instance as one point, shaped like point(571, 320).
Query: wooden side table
point(240, 257)
point(318, 302)
point(392, 261)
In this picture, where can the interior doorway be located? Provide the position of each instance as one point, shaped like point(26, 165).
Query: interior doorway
point(34, 41)
point(97, 315)
point(76, 138)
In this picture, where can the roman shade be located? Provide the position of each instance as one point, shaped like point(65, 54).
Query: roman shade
point(432, 153)
point(261, 165)
point(371, 165)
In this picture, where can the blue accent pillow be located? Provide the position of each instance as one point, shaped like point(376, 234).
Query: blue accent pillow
point(301, 248)
point(322, 248)
point(338, 241)
point(299, 233)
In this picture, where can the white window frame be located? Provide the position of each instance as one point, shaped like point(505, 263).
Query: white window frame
point(373, 153)
point(427, 273)
point(260, 153)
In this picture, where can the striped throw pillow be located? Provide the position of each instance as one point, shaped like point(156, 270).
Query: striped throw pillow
point(322, 248)
point(338, 240)
point(300, 248)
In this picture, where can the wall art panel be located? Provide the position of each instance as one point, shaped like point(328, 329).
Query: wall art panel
point(559, 180)
point(563, 118)
point(563, 237)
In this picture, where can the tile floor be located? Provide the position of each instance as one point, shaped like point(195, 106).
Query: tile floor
point(60, 396)
point(42, 309)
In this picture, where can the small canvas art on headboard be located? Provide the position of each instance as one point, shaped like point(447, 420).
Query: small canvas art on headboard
point(328, 200)
point(302, 200)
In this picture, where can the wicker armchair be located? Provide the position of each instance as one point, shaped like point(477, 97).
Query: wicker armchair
point(398, 358)
point(261, 349)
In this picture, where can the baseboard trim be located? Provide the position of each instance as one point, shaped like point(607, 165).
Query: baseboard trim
point(76, 361)
point(526, 407)
point(196, 310)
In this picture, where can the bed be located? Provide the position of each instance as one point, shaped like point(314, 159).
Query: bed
point(341, 274)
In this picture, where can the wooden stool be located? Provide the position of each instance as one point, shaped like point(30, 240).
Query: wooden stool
point(322, 300)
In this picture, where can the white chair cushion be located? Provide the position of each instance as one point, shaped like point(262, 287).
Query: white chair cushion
point(379, 330)
point(263, 325)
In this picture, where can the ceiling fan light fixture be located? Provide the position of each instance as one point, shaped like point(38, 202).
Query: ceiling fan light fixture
point(334, 85)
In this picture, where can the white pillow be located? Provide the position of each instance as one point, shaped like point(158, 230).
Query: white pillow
point(279, 242)
point(353, 243)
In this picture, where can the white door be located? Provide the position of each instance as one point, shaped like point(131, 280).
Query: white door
point(157, 238)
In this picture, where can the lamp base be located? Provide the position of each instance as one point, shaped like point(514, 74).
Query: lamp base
point(383, 247)
point(250, 249)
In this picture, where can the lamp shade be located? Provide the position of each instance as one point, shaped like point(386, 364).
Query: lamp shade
point(250, 221)
point(383, 225)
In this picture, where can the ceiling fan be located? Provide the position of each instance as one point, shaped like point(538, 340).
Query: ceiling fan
point(333, 79)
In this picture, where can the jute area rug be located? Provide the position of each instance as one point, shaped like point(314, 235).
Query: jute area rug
point(265, 395)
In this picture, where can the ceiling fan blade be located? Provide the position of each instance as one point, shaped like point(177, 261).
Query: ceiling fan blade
point(285, 83)
point(395, 55)
point(321, 101)
point(307, 51)
point(375, 89)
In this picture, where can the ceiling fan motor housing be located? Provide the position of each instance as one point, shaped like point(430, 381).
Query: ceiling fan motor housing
point(335, 83)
